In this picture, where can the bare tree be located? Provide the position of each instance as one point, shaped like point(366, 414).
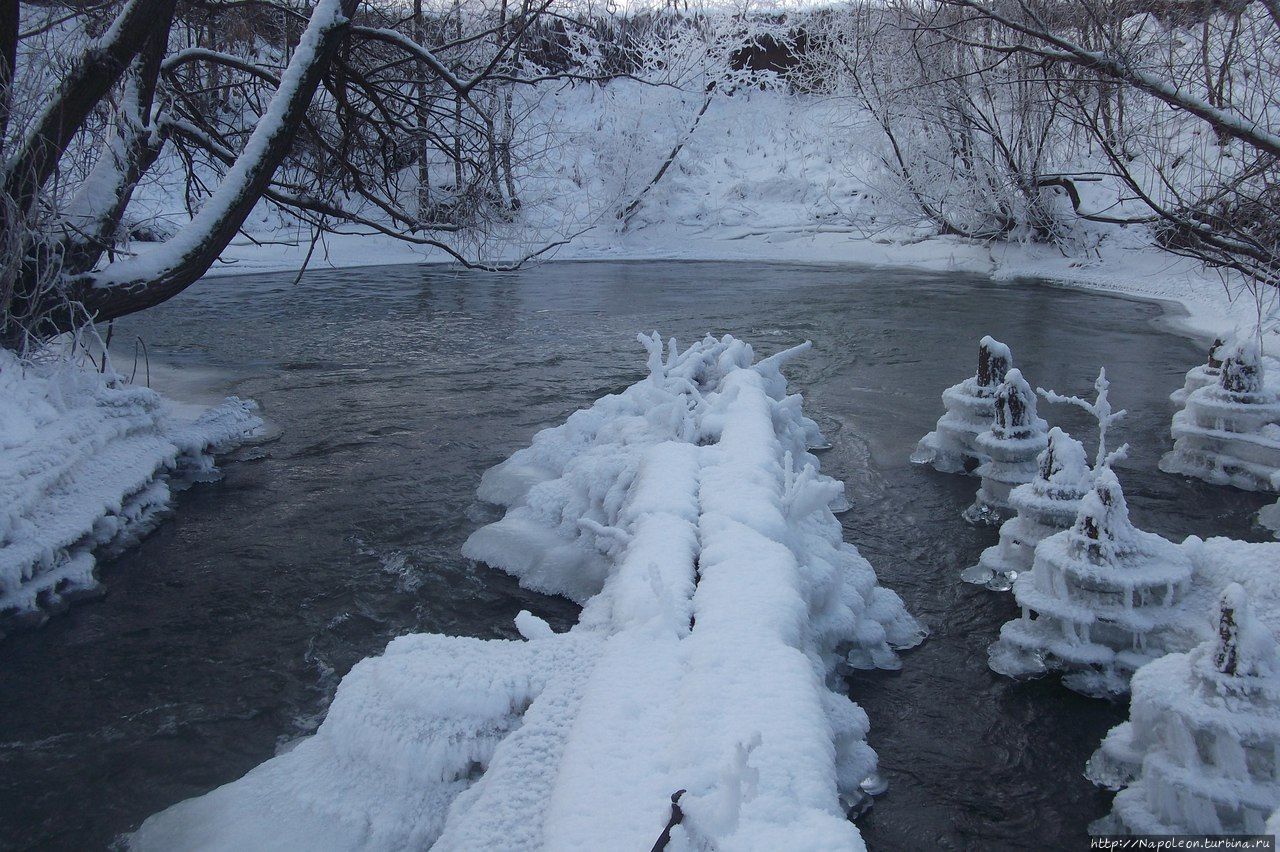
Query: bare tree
point(1192, 139)
point(342, 108)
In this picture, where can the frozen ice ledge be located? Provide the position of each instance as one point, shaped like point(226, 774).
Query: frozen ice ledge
point(86, 467)
point(721, 609)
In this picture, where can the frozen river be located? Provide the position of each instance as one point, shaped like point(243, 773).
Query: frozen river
point(224, 634)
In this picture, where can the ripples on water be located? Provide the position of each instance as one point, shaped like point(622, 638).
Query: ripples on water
point(225, 633)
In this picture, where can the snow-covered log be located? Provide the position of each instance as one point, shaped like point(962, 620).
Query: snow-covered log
point(721, 606)
point(1229, 432)
point(1199, 752)
point(86, 464)
point(970, 405)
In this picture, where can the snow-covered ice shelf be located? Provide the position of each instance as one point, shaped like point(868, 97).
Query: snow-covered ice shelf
point(86, 464)
point(720, 608)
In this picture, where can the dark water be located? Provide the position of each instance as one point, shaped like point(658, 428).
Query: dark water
point(225, 633)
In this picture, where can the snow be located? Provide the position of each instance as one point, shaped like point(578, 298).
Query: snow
point(1229, 431)
point(1198, 755)
point(768, 176)
point(720, 609)
point(1104, 595)
point(1011, 445)
point(1046, 505)
point(1104, 599)
point(970, 411)
point(87, 462)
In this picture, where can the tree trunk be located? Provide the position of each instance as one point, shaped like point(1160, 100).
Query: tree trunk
point(160, 273)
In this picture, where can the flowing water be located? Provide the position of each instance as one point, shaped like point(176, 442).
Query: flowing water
point(225, 633)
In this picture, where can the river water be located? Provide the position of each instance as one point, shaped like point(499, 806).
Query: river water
point(225, 633)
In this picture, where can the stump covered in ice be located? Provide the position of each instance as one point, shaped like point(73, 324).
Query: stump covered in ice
point(1199, 754)
point(1201, 375)
point(1100, 600)
point(1011, 445)
point(970, 408)
point(720, 607)
point(1046, 505)
point(1229, 432)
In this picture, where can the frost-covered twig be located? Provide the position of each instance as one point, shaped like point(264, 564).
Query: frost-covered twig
point(1100, 410)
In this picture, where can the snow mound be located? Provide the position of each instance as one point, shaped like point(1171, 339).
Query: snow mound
point(721, 605)
point(1199, 753)
point(86, 464)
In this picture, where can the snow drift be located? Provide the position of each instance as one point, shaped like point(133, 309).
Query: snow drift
point(86, 464)
point(720, 606)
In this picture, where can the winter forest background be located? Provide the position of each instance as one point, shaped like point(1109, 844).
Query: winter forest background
point(142, 139)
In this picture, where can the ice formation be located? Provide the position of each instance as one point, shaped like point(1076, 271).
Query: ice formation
point(1011, 444)
point(720, 607)
point(1199, 754)
point(1229, 432)
point(86, 465)
point(1100, 600)
point(1201, 375)
point(1046, 505)
point(1269, 516)
point(970, 405)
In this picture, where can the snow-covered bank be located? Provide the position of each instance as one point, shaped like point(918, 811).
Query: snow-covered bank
point(767, 176)
point(1198, 303)
point(87, 462)
point(721, 607)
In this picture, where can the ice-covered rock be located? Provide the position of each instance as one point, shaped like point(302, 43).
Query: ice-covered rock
point(1201, 375)
point(86, 466)
point(1100, 600)
point(1011, 445)
point(1046, 505)
point(1200, 753)
point(720, 608)
point(1229, 432)
point(970, 405)
point(1269, 516)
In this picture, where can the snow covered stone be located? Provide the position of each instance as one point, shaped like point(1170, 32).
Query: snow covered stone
point(1011, 445)
point(1269, 516)
point(1201, 375)
point(1100, 600)
point(86, 465)
point(1199, 752)
point(721, 608)
point(1046, 505)
point(1229, 432)
point(970, 405)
